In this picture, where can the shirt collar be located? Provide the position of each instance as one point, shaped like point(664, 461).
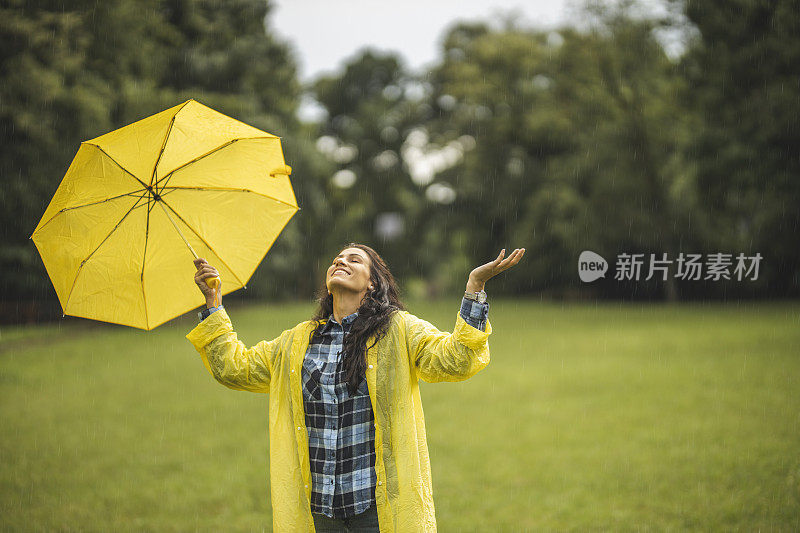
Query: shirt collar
point(346, 321)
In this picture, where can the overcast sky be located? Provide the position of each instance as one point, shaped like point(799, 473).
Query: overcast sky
point(325, 32)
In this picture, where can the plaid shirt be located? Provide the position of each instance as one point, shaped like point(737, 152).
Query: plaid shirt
point(341, 428)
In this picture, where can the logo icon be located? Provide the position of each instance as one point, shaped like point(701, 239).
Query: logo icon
point(591, 266)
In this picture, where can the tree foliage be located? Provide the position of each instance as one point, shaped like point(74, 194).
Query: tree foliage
point(74, 71)
point(743, 75)
point(579, 137)
point(586, 137)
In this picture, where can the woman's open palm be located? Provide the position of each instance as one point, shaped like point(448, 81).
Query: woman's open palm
point(483, 273)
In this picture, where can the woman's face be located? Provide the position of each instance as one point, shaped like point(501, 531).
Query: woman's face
point(350, 271)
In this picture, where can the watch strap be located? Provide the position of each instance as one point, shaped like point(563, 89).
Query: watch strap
point(479, 296)
point(205, 313)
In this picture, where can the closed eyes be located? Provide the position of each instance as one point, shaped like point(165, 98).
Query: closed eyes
point(353, 259)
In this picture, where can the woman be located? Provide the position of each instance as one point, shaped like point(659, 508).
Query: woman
point(347, 435)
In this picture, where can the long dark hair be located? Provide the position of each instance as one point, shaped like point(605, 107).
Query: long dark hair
point(374, 316)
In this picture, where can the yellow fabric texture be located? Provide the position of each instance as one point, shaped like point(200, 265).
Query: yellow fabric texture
point(412, 349)
point(114, 255)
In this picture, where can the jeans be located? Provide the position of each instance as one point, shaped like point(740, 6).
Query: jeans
point(366, 522)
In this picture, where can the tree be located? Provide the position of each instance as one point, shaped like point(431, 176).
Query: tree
point(742, 75)
point(71, 73)
point(578, 137)
point(371, 193)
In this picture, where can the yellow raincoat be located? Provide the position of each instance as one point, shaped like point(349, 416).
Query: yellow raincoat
point(412, 349)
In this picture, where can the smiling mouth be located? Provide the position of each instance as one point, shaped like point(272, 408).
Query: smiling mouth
point(339, 270)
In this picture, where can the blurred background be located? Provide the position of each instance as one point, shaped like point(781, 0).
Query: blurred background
point(437, 133)
point(440, 132)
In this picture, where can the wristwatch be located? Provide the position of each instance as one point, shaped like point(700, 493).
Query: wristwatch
point(479, 296)
point(202, 315)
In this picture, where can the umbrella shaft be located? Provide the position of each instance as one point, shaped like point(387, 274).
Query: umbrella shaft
point(212, 282)
point(178, 229)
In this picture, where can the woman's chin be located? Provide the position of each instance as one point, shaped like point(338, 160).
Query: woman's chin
point(335, 285)
point(340, 285)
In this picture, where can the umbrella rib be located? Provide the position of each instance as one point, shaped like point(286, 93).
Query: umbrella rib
point(220, 147)
point(228, 189)
point(143, 184)
point(171, 172)
point(134, 193)
point(204, 242)
point(164, 144)
point(144, 258)
point(80, 268)
point(166, 193)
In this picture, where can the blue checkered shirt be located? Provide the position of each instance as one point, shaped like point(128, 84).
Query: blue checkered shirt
point(341, 428)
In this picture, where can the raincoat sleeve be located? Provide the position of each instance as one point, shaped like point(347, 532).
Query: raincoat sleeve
point(441, 356)
point(228, 359)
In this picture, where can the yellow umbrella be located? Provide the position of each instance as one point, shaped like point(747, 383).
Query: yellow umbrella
point(138, 203)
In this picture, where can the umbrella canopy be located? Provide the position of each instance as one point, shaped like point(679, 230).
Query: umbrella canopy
point(112, 237)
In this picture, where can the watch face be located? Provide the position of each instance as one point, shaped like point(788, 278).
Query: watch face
point(481, 297)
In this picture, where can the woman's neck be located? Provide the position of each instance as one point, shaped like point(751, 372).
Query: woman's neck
point(346, 303)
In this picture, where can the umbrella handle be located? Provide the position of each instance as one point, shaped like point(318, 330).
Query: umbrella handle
point(214, 284)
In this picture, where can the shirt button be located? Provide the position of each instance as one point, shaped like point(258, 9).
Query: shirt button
point(370, 366)
point(380, 482)
point(298, 428)
point(293, 371)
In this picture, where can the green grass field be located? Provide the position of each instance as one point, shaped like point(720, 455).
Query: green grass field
point(616, 417)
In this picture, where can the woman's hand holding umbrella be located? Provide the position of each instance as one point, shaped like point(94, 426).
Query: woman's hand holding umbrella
point(480, 275)
point(205, 272)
